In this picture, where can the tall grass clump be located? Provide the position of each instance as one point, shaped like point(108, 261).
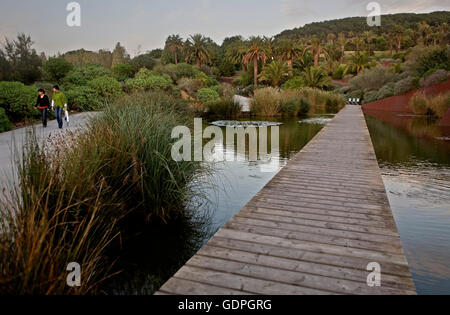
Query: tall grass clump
point(437, 105)
point(225, 107)
point(44, 227)
point(82, 196)
point(265, 102)
point(293, 104)
point(322, 101)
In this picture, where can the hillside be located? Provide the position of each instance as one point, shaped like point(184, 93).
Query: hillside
point(359, 24)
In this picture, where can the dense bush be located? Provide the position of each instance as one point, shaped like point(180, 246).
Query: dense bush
point(208, 95)
point(123, 71)
point(106, 87)
point(57, 68)
point(83, 98)
point(266, 102)
point(435, 77)
point(405, 85)
point(206, 80)
point(293, 105)
point(372, 79)
point(81, 75)
point(18, 100)
point(296, 83)
point(438, 58)
point(176, 72)
point(226, 90)
point(224, 108)
point(191, 86)
point(148, 80)
point(386, 91)
point(437, 105)
point(143, 61)
point(5, 124)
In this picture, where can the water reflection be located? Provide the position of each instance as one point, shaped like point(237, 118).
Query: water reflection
point(415, 166)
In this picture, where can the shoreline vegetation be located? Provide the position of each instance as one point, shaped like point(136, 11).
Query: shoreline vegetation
point(98, 193)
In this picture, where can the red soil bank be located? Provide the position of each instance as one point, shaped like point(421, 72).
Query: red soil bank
point(400, 103)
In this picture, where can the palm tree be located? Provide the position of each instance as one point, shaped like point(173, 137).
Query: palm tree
point(443, 29)
point(360, 61)
point(316, 49)
point(342, 40)
point(174, 44)
point(357, 42)
point(424, 31)
point(254, 54)
point(274, 73)
point(316, 77)
point(398, 33)
point(331, 38)
point(288, 50)
point(368, 36)
point(390, 38)
point(236, 52)
point(197, 47)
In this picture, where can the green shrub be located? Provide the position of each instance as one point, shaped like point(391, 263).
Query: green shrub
point(339, 72)
point(434, 77)
point(176, 72)
point(226, 90)
point(418, 104)
point(147, 80)
point(18, 100)
point(206, 80)
point(370, 96)
point(372, 79)
point(294, 105)
point(5, 124)
point(122, 72)
point(106, 87)
point(81, 75)
point(190, 85)
point(208, 95)
point(405, 85)
point(296, 83)
point(83, 98)
point(386, 91)
point(57, 68)
point(438, 58)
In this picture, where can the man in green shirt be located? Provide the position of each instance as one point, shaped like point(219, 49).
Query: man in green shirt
point(59, 104)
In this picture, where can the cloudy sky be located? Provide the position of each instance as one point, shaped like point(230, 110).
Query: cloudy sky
point(145, 24)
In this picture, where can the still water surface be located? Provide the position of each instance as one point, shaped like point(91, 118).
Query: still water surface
point(415, 164)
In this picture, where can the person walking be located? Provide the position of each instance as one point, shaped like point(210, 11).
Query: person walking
point(59, 104)
point(43, 104)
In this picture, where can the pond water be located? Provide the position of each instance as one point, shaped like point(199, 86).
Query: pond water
point(415, 164)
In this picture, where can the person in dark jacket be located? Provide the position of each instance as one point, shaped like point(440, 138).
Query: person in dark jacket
point(43, 103)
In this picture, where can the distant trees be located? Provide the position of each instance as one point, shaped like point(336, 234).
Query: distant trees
point(274, 73)
point(288, 51)
point(57, 68)
point(20, 61)
point(119, 55)
point(197, 49)
point(254, 54)
point(174, 44)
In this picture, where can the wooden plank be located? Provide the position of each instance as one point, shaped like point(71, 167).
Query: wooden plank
point(313, 229)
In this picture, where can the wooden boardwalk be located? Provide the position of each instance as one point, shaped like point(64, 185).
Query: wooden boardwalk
point(312, 230)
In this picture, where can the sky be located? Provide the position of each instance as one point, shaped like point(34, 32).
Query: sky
point(142, 25)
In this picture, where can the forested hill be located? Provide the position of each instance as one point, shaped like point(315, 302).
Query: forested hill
point(359, 24)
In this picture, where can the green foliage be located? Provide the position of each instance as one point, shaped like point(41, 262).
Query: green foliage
point(23, 63)
point(123, 71)
point(106, 87)
point(18, 100)
point(434, 77)
point(436, 59)
point(206, 80)
point(405, 85)
point(57, 68)
point(266, 102)
point(81, 75)
point(147, 80)
point(339, 72)
point(143, 61)
point(294, 106)
point(191, 86)
point(226, 68)
point(274, 73)
point(176, 72)
point(208, 95)
point(372, 79)
point(83, 98)
point(296, 83)
point(316, 78)
point(5, 124)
